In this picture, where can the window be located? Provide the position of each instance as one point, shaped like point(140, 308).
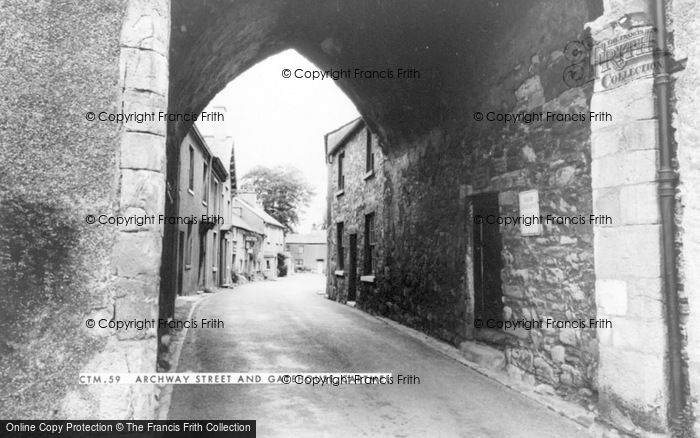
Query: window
point(191, 175)
point(370, 153)
point(215, 196)
point(214, 251)
point(300, 249)
point(341, 174)
point(205, 178)
point(267, 264)
point(188, 253)
point(370, 242)
point(340, 248)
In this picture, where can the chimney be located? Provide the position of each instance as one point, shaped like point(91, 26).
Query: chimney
point(251, 198)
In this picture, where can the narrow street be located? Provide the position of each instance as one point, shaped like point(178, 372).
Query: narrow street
point(289, 326)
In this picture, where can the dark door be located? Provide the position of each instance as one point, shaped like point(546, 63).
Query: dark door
point(352, 272)
point(488, 303)
point(180, 260)
point(222, 260)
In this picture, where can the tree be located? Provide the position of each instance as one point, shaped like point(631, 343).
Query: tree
point(283, 191)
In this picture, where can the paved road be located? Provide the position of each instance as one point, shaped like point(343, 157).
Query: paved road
point(288, 326)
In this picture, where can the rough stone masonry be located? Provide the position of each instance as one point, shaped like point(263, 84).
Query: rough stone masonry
point(139, 56)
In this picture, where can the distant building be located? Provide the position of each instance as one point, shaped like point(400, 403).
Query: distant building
point(253, 214)
point(202, 244)
point(218, 138)
point(355, 208)
point(247, 244)
point(308, 252)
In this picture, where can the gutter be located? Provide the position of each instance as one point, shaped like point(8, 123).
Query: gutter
point(667, 188)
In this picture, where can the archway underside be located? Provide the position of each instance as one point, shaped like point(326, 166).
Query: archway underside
point(472, 56)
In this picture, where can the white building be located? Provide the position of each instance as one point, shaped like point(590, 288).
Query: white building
point(253, 213)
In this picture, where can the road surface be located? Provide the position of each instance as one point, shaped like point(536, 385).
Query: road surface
point(289, 326)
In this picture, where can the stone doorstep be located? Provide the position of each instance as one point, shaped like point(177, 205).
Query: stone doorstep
point(484, 356)
point(490, 363)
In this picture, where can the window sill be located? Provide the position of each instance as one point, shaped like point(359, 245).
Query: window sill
point(190, 191)
point(339, 273)
point(188, 266)
point(369, 174)
point(367, 279)
point(340, 192)
point(204, 203)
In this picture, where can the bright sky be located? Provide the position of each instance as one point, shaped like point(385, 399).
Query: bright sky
point(277, 121)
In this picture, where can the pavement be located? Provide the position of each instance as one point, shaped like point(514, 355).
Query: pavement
point(288, 326)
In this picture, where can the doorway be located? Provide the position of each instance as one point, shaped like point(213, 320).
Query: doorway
point(180, 260)
point(223, 253)
point(488, 294)
point(352, 272)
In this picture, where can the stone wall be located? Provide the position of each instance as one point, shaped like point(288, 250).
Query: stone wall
point(56, 169)
point(59, 166)
point(629, 284)
point(684, 22)
point(363, 194)
point(549, 275)
point(428, 272)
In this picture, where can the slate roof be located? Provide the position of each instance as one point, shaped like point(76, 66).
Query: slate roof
point(261, 213)
point(238, 222)
point(337, 138)
point(307, 239)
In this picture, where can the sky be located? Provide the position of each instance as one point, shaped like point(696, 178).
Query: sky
point(281, 121)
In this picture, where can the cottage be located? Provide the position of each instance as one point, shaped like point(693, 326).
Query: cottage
point(355, 206)
point(201, 244)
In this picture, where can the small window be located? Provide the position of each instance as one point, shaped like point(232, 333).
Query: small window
point(223, 196)
point(205, 179)
point(188, 253)
point(191, 170)
point(370, 244)
point(215, 196)
point(214, 251)
point(340, 243)
point(341, 171)
point(267, 263)
point(370, 152)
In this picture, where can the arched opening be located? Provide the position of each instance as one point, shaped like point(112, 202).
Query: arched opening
point(486, 56)
point(263, 119)
point(115, 67)
point(273, 121)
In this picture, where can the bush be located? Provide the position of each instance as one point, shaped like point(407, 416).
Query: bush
point(281, 265)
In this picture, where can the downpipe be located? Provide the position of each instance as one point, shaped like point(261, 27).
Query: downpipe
point(667, 189)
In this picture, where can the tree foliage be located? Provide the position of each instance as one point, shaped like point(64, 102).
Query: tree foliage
point(283, 191)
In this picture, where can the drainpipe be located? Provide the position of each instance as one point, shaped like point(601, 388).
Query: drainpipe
point(667, 190)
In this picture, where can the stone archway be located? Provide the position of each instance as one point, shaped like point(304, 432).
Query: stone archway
point(162, 56)
point(173, 56)
point(486, 56)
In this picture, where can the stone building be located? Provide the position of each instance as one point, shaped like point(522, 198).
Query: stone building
point(247, 244)
point(450, 160)
point(355, 212)
point(217, 135)
point(308, 252)
point(273, 231)
point(203, 256)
